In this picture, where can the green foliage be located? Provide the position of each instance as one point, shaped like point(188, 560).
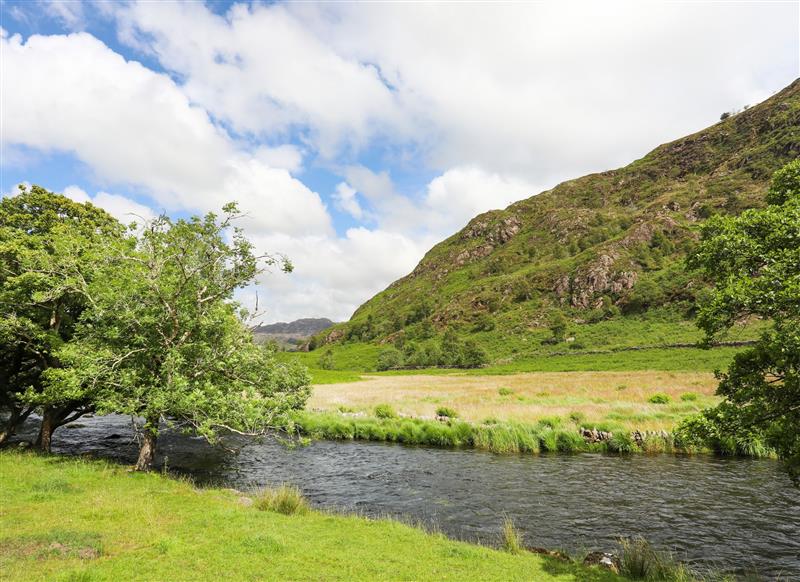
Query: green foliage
point(447, 412)
point(622, 442)
point(659, 398)
point(754, 260)
point(50, 247)
point(639, 560)
point(577, 417)
point(484, 322)
point(326, 361)
point(511, 538)
point(503, 391)
point(285, 499)
point(558, 325)
point(689, 396)
point(384, 411)
point(164, 340)
point(390, 359)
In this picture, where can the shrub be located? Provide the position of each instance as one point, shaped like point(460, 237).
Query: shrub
point(558, 325)
point(286, 499)
point(390, 359)
point(445, 411)
point(385, 411)
point(621, 442)
point(484, 322)
point(639, 560)
point(473, 356)
point(548, 440)
point(505, 391)
point(659, 398)
point(577, 417)
point(512, 540)
point(326, 361)
point(568, 441)
point(689, 396)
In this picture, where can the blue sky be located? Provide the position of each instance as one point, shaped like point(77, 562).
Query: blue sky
point(356, 136)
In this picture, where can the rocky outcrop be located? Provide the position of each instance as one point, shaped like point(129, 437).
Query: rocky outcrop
point(583, 290)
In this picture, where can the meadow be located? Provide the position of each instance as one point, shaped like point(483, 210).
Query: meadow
point(606, 399)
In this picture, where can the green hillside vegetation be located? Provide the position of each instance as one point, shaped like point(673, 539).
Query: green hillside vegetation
point(596, 264)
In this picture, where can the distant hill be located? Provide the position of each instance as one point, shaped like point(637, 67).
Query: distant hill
point(604, 248)
point(292, 333)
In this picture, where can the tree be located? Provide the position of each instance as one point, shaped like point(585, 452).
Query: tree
point(558, 325)
point(390, 359)
point(166, 343)
point(42, 237)
point(754, 261)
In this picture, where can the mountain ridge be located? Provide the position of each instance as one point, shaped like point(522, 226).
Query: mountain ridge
point(611, 242)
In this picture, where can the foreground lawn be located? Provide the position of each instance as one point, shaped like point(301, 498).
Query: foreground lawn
point(619, 399)
point(74, 519)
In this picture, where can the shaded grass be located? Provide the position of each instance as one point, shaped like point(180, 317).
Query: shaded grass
point(149, 527)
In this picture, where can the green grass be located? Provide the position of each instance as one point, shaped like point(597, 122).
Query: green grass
point(663, 359)
point(547, 435)
point(100, 522)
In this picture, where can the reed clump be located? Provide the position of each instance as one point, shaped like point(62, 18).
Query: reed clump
point(285, 499)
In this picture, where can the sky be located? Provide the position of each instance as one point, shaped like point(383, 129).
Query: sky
point(355, 136)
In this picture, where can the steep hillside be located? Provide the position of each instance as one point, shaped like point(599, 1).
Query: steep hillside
point(605, 250)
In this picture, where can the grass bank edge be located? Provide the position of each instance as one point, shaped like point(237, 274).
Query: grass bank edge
point(547, 435)
point(150, 526)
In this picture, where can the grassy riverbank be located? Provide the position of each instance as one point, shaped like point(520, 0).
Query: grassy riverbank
point(549, 435)
point(77, 520)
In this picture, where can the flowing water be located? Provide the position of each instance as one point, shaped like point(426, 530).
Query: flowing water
point(734, 515)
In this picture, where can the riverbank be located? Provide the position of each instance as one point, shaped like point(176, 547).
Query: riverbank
point(75, 519)
point(548, 435)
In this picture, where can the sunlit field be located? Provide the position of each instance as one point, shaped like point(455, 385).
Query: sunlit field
point(619, 398)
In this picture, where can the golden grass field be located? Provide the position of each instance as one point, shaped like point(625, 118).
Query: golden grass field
point(601, 397)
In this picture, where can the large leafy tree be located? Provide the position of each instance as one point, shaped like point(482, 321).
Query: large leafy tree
point(42, 236)
point(165, 342)
point(754, 260)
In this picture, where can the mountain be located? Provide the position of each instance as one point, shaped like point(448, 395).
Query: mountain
point(607, 247)
point(292, 333)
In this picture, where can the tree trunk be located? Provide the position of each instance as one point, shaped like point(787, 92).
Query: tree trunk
point(18, 416)
point(49, 424)
point(147, 451)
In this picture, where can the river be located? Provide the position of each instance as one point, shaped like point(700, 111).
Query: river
point(733, 515)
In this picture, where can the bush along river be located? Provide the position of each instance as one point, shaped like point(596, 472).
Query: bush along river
point(734, 515)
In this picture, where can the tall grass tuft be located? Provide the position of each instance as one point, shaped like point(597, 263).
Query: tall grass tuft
point(659, 398)
point(621, 442)
point(512, 539)
point(639, 560)
point(385, 411)
point(446, 412)
point(286, 499)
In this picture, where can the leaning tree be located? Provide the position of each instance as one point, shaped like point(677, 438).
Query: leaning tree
point(165, 342)
point(754, 261)
point(43, 237)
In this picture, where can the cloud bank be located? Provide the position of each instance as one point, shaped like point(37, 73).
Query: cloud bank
point(482, 104)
